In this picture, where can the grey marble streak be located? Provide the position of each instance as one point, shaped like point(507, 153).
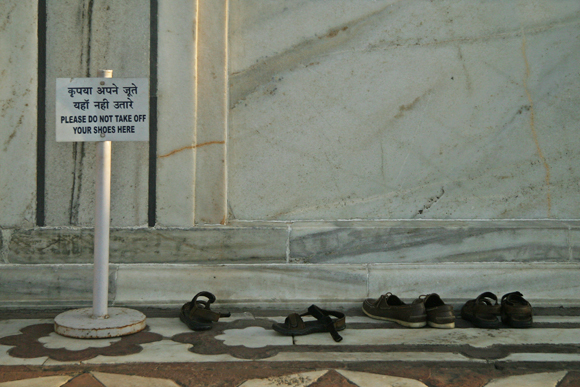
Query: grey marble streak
point(437, 244)
point(201, 245)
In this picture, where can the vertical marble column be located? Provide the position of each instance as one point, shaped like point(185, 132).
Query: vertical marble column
point(18, 91)
point(211, 145)
point(176, 113)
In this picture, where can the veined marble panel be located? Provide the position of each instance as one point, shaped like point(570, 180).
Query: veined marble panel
point(537, 281)
point(18, 93)
point(83, 37)
point(443, 243)
point(212, 113)
point(404, 110)
point(49, 284)
point(275, 285)
point(200, 245)
point(176, 113)
point(288, 286)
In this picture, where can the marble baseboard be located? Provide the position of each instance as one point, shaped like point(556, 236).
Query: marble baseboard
point(199, 245)
point(445, 243)
point(50, 284)
point(288, 286)
point(338, 242)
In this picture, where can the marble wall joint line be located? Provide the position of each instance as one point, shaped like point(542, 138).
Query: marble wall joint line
point(288, 243)
point(5, 235)
point(570, 249)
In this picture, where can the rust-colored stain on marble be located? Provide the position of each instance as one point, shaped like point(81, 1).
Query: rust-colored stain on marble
point(533, 125)
point(191, 147)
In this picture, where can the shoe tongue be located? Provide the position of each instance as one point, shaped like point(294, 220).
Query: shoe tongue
point(394, 300)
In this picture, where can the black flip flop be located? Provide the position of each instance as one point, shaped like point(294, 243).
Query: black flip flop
point(294, 325)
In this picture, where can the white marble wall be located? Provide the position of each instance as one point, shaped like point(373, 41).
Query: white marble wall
point(404, 109)
point(83, 37)
point(18, 93)
point(350, 146)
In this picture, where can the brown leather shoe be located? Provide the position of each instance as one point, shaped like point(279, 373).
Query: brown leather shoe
point(389, 307)
point(516, 311)
point(439, 315)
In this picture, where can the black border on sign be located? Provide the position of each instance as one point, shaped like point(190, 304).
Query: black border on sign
point(152, 196)
point(41, 114)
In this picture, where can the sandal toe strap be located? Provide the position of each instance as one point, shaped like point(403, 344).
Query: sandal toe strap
point(324, 317)
point(294, 321)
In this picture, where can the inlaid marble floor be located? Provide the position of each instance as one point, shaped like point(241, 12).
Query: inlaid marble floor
point(243, 350)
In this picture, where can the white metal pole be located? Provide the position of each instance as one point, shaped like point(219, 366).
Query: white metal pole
point(102, 223)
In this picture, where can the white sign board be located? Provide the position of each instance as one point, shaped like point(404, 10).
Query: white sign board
point(102, 109)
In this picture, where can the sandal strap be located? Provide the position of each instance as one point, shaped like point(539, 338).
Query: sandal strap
point(324, 317)
point(210, 298)
point(509, 296)
point(483, 304)
point(201, 309)
point(294, 321)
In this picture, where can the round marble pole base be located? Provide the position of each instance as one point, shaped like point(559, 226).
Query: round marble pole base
point(80, 323)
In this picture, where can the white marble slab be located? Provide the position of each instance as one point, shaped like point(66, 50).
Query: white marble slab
point(131, 380)
point(467, 281)
point(302, 379)
point(18, 94)
point(254, 337)
point(12, 327)
point(373, 356)
point(479, 338)
point(46, 381)
point(442, 242)
point(546, 379)
point(56, 341)
point(167, 327)
point(543, 357)
point(276, 284)
point(176, 113)
point(411, 110)
point(49, 284)
point(83, 38)
point(365, 379)
point(164, 351)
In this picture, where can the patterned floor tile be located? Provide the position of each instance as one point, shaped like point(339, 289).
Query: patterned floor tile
point(363, 379)
point(49, 381)
point(296, 380)
point(84, 380)
point(244, 351)
point(118, 380)
point(547, 379)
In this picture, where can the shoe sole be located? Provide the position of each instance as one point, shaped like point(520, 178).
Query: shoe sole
point(486, 324)
point(407, 324)
point(441, 326)
point(517, 323)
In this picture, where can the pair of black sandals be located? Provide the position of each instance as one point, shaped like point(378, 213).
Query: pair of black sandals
point(485, 311)
point(198, 316)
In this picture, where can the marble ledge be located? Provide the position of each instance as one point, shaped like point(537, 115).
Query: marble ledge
point(412, 223)
point(432, 244)
point(55, 284)
point(288, 286)
point(151, 245)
